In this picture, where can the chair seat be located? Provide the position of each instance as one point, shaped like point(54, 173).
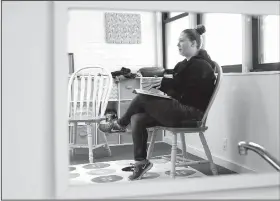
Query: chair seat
point(186, 126)
point(185, 130)
point(86, 119)
point(75, 146)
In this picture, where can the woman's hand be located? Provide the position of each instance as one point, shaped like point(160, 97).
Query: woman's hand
point(152, 83)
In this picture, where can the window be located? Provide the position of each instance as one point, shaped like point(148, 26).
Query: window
point(173, 30)
point(269, 40)
point(223, 38)
point(265, 43)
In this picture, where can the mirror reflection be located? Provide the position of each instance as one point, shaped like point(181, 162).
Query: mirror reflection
point(148, 97)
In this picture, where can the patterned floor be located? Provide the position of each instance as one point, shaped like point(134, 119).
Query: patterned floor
point(111, 171)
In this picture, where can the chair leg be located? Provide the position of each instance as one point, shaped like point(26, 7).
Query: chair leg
point(173, 156)
point(208, 154)
point(75, 131)
point(72, 134)
point(75, 136)
point(89, 134)
point(152, 143)
point(107, 145)
point(184, 148)
point(71, 153)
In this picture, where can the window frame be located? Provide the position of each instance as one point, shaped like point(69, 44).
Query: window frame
point(256, 48)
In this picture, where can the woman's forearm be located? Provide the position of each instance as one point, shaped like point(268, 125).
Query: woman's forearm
point(166, 84)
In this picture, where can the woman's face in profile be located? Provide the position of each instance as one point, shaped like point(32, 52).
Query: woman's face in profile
point(185, 46)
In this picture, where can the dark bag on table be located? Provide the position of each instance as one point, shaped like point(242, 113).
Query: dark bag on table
point(151, 71)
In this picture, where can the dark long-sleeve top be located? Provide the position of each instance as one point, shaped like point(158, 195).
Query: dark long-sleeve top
point(193, 81)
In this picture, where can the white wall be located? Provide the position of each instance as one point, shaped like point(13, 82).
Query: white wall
point(27, 139)
point(247, 108)
point(86, 39)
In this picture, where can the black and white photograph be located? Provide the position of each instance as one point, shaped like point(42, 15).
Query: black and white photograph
point(140, 100)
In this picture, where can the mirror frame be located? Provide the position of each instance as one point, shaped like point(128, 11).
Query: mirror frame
point(134, 189)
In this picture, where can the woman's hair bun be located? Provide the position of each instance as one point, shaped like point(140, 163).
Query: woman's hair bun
point(200, 29)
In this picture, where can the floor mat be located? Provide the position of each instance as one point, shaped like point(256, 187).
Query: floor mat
point(111, 171)
point(125, 152)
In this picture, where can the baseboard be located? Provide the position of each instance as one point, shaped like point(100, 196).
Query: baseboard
point(217, 160)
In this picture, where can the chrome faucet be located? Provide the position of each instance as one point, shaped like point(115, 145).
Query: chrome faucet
point(243, 149)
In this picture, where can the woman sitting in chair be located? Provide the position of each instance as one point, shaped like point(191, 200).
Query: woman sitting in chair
point(191, 88)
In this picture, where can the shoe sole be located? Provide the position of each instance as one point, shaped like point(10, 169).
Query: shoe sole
point(117, 131)
point(144, 172)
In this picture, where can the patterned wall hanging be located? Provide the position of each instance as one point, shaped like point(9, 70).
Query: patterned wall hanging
point(123, 28)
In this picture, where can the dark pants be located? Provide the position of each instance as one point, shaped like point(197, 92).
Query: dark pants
point(149, 111)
